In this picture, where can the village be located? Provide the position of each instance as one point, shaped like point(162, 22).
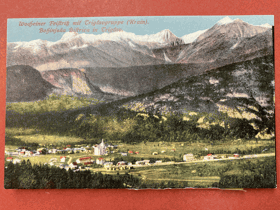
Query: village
point(94, 158)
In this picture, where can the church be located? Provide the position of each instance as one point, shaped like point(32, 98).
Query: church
point(100, 149)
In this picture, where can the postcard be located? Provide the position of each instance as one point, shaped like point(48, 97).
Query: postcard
point(140, 102)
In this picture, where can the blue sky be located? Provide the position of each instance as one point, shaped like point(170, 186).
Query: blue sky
point(179, 25)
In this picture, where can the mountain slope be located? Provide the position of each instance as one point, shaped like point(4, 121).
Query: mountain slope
point(251, 81)
point(220, 49)
point(26, 84)
point(135, 80)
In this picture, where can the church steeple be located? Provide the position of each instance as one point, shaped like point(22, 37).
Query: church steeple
point(102, 143)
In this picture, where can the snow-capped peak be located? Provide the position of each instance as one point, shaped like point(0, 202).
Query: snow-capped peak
point(266, 25)
point(189, 38)
point(224, 21)
point(69, 35)
point(161, 37)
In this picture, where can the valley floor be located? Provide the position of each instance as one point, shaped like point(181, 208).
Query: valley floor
point(171, 167)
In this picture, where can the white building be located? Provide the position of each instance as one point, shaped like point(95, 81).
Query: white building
point(108, 164)
point(15, 161)
point(10, 159)
point(210, 157)
point(188, 157)
point(100, 149)
point(62, 159)
point(53, 151)
point(100, 161)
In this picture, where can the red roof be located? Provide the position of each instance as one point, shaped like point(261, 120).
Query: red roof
point(62, 157)
point(22, 152)
point(68, 145)
point(131, 152)
point(88, 163)
point(75, 163)
point(136, 152)
point(209, 155)
point(9, 158)
point(100, 158)
point(85, 158)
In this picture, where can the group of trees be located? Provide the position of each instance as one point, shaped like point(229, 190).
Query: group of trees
point(262, 175)
point(27, 176)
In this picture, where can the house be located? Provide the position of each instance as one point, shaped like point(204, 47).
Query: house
point(21, 153)
point(173, 150)
point(236, 155)
point(100, 149)
point(136, 152)
point(121, 163)
point(15, 161)
point(130, 152)
point(155, 153)
point(188, 157)
point(124, 154)
point(53, 151)
point(210, 157)
point(147, 162)
point(83, 160)
point(158, 162)
point(100, 161)
point(29, 153)
point(10, 159)
point(73, 165)
point(163, 151)
point(68, 145)
point(62, 159)
point(108, 164)
point(140, 162)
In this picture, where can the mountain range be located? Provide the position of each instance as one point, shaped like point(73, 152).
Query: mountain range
point(121, 64)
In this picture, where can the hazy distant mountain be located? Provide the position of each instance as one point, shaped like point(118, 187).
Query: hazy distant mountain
point(120, 49)
point(121, 64)
point(124, 49)
point(228, 41)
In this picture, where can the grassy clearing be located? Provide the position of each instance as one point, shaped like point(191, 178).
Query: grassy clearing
point(202, 174)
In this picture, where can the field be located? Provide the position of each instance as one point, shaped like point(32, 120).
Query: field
point(201, 174)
